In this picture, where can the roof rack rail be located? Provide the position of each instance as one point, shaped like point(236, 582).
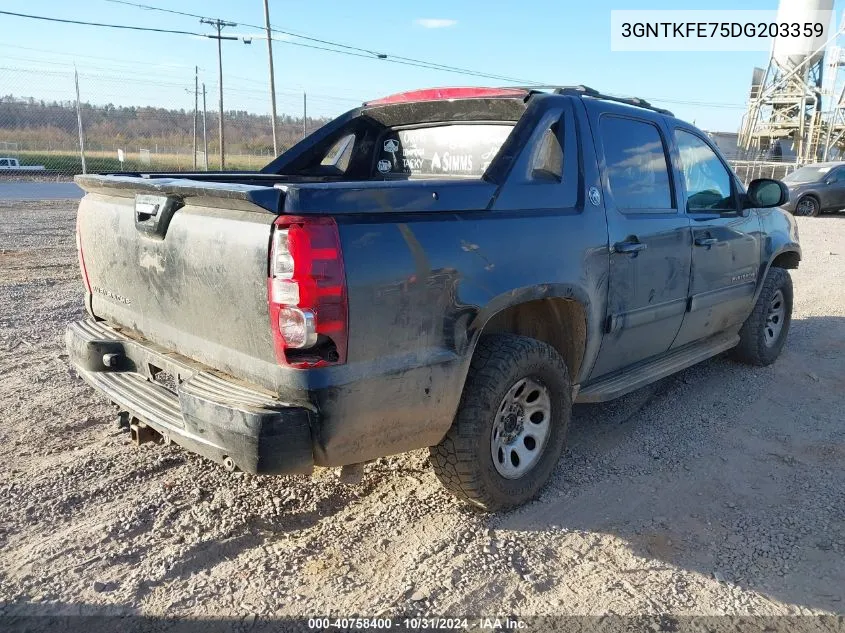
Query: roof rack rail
point(586, 91)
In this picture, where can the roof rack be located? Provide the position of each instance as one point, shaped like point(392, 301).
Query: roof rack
point(585, 91)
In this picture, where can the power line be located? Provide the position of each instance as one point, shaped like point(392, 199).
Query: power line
point(174, 72)
point(113, 60)
point(108, 26)
point(348, 49)
point(155, 80)
point(289, 95)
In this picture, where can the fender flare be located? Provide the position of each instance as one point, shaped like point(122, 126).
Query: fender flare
point(789, 247)
point(525, 294)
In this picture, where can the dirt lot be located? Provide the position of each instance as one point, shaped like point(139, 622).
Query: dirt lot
point(717, 491)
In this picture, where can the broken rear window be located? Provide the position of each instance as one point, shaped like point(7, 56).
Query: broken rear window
point(444, 150)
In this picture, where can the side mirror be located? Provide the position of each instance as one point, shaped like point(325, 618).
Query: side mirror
point(766, 192)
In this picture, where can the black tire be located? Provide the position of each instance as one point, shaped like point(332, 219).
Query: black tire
point(807, 207)
point(463, 460)
point(757, 346)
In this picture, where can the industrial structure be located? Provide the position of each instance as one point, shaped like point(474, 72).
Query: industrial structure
point(796, 106)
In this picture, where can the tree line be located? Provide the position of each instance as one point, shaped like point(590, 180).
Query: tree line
point(53, 125)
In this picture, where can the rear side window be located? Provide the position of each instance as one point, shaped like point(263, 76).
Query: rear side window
point(547, 162)
point(4, 163)
point(637, 167)
point(338, 156)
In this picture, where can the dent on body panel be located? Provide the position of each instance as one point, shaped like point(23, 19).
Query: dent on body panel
point(414, 304)
point(385, 414)
point(408, 324)
point(416, 289)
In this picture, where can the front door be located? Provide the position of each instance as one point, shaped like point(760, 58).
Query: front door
point(649, 239)
point(726, 242)
point(833, 190)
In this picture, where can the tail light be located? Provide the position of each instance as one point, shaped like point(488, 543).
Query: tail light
point(306, 292)
point(81, 258)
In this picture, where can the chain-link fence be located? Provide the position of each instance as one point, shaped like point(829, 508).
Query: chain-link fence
point(43, 126)
point(748, 170)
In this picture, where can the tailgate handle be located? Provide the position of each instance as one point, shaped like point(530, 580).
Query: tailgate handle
point(144, 210)
point(153, 213)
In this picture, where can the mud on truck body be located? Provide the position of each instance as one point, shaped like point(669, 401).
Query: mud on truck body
point(448, 268)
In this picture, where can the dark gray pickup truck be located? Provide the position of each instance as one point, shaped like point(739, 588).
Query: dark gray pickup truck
point(445, 268)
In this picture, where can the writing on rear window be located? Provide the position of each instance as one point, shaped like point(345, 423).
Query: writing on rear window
point(446, 150)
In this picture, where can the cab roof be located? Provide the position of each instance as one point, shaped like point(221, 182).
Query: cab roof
point(521, 92)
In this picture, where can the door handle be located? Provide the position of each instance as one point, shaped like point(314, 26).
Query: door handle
point(705, 241)
point(629, 247)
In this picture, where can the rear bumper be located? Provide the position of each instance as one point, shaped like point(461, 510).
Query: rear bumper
point(208, 414)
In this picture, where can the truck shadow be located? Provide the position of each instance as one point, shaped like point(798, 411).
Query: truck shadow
point(725, 470)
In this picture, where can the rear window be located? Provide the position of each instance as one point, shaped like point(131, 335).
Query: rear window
point(444, 150)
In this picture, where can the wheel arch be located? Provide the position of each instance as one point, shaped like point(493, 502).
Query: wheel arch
point(788, 258)
point(560, 315)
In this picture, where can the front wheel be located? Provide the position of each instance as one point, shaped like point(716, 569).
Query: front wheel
point(807, 207)
point(763, 334)
point(510, 428)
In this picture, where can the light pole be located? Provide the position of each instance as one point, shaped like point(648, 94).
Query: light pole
point(219, 25)
point(204, 131)
point(196, 107)
point(272, 76)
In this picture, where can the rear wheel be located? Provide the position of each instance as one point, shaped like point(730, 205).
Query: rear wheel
point(511, 424)
point(763, 334)
point(808, 207)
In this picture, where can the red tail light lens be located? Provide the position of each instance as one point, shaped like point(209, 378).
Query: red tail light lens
point(307, 292)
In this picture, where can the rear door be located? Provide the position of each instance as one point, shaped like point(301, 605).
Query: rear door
point(726, 240)
point(649, 237)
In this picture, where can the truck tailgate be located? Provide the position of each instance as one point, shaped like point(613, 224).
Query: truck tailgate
point(199, 286)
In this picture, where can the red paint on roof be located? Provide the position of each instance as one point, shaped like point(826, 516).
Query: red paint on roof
point(436, 94)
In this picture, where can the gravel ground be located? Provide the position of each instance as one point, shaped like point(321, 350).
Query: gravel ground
point(717, 491)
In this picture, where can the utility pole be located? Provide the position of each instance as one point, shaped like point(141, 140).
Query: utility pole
point(219, 25)
point(79, 121)
point(204, 131)
point(196, 107)
point(304, 114)
point(272, 76)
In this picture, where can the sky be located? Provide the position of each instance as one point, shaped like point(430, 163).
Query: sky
point(556, 42)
